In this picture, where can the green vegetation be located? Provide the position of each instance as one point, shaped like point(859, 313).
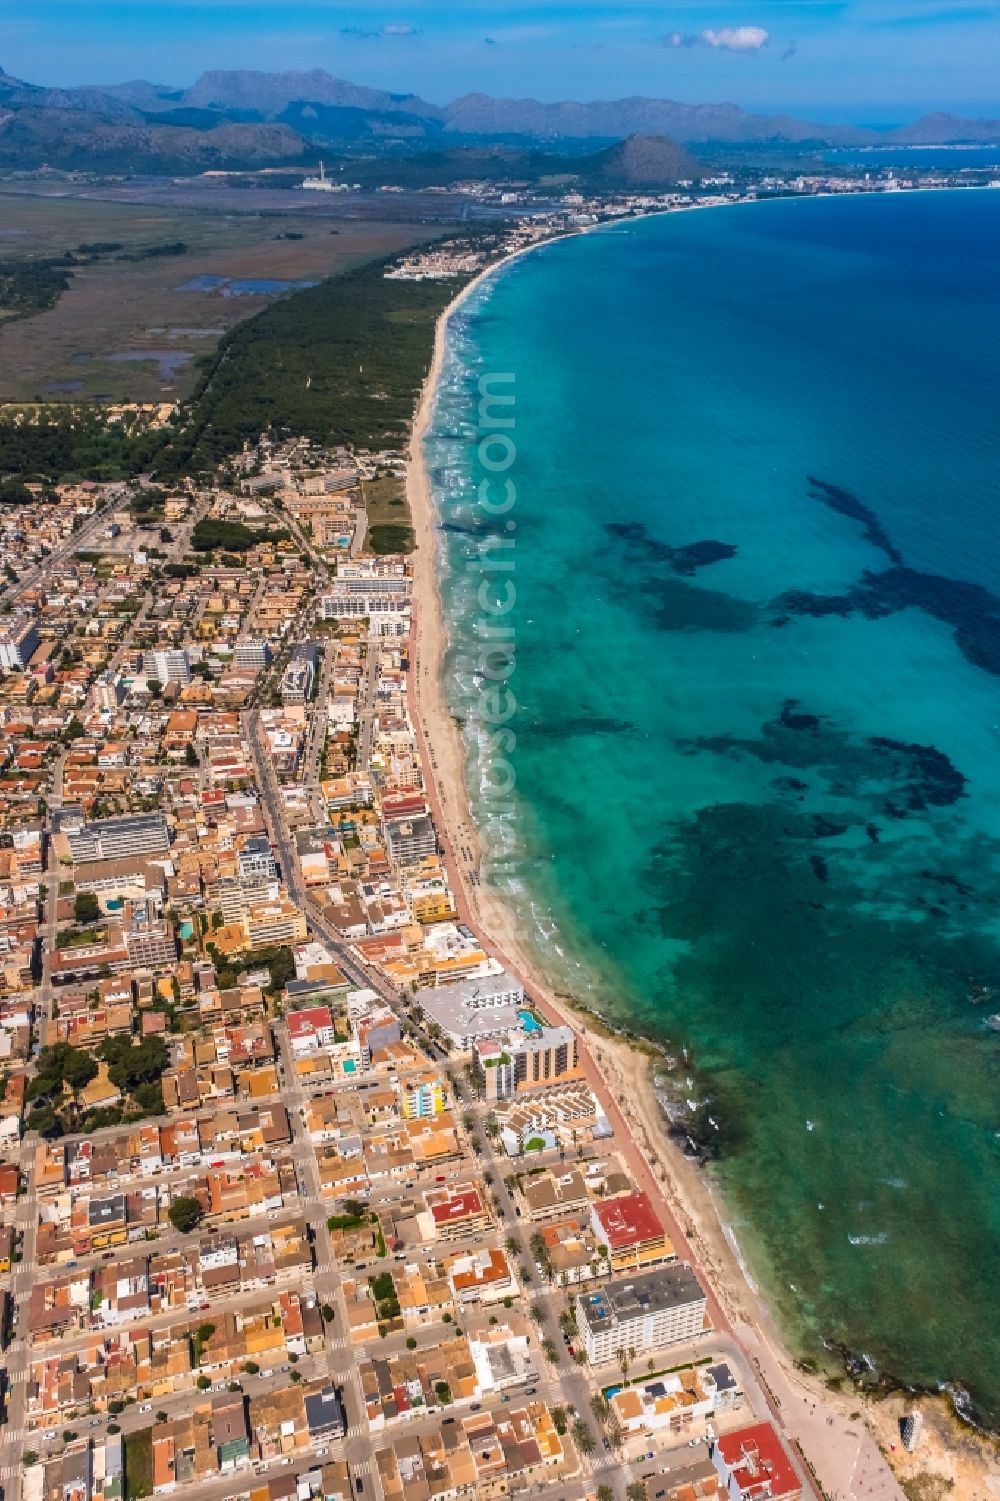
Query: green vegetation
point(339, 363)
point(582, 1437)
point(344, 1222)
point(384, 1294)
point(200, 1339)
point(443, 1392)
point(77, 938)
point(132, 1064)
point(279, 961)
point(29, 287)
point(209, 534)
point(57, 443)
point(389, 538)
point(185, 1214)
point(60, 1067)
point(138, 1464)
point(152, 252)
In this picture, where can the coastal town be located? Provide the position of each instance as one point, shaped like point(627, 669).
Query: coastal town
point(307, 1189)
point(303, 1192)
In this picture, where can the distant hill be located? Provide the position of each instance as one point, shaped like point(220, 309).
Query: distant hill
point(641, 161)
point(75, 139)
point(479, 114)
point(252, 119)
point(947, 130)
point(271, 93)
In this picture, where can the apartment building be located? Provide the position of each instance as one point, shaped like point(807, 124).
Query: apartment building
point(410, 840)
point(422, 1098)
point(471, 1009)
point(167, 666)
point(252, 655)
point(255, 861)
point(276, 923)
point(19, 641)
point(300, 675)
point(525, 1060)
point(754, 1465)
point(149, 937)
point(117, 838)
point(644, 1314)
point(630, 1232)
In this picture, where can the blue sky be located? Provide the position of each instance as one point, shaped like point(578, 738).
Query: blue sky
point(864, 60)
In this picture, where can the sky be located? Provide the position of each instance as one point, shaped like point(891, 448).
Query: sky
point(868, 61)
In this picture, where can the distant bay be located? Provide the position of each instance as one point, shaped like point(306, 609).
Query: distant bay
point(758, 736)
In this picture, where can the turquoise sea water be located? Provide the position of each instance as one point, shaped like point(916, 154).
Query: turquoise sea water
point(756, 808)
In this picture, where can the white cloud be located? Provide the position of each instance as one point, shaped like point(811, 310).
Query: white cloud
point(728, 39)
point(391, 28)
point(736, 38)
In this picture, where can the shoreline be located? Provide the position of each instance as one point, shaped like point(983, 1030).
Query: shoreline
point(825, 1426)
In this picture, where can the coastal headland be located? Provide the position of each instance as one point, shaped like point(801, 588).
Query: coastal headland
point(842, 1439)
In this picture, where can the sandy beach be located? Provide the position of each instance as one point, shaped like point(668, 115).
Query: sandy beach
point(829, 1428)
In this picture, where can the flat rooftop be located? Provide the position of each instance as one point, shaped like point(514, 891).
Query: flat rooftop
point(654, 1292)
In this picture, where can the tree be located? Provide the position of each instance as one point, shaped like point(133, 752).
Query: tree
point(411, 1343)
point(86, 907)
point(203, 1383)
point(600, 1408)
point(328, 1313)
point(537, 1313)
point(582, 1437)
point(549, 1350)
point(44, 1120)
point(131, 1064)
point(185, 1213)
point(190, 755)
point(605, 1493)
point(559, 1420)
point(636, 1491)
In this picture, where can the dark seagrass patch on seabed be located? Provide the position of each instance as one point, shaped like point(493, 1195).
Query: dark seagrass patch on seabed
point(685, 560)
point(972, 610)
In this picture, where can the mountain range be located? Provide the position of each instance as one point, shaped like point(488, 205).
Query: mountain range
point(253, 119)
